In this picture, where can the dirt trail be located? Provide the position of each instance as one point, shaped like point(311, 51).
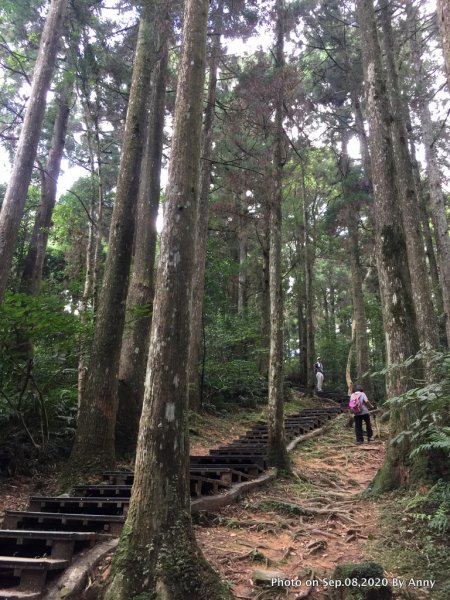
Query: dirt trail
point(261, 532)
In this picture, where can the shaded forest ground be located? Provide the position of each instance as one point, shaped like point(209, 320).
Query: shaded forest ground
point(301, 528)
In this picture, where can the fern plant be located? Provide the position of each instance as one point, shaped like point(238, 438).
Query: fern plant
point(430, 436)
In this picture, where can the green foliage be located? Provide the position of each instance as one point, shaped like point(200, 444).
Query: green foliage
point(232, 352)
point(434, 507)
point(38, 370)
point(429, 437)
point(431, 403)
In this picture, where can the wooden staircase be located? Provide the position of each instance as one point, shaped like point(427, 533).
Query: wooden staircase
point(39, 543)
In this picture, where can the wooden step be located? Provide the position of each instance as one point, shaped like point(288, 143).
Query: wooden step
point(45, 564)
point(79, 504)
point(56, 544)
point(119, 477)
point(225, 474)
point(31, 572)
point(107, 490)
point(225, 459)
point(248, 469)
point(203, 486)
point(240, 451)
point(15, 594)
point(238, 472)
point(63, 521)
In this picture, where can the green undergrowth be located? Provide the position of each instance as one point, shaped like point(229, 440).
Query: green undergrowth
point(408, 547)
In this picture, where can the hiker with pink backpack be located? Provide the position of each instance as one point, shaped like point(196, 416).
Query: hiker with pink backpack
point(358, 405)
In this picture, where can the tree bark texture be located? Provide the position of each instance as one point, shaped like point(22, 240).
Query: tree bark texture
point(264, 239)
point(243, 254)
point(133, 357)
point(437, 200)
point(359, 311)
point(359, 327)
point(427, 233)
point(34, 261)
point(302, 331)
point(86, 299)
point(16, 194)
point(399, 322)
point(89, 300)
point(276, 449)
point(409, 206)
point(158, 556)
point(201, 231)
point(95, 436)
point(443, 17)
point(308, 257)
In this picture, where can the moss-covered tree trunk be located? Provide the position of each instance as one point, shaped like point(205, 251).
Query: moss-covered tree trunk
point(201, 232)
point(133, 357)
point(94, 446)
point(409, 205)
point(158, 556)
point(277, 453)
point(395, 285)
point(16, 193)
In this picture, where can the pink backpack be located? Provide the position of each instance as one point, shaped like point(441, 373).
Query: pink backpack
point(356, 404)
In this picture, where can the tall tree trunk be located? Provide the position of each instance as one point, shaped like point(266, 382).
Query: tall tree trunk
point(359, 328)
point(201, 231)
point(95, 436)
point(359, 311)
point(409, 206)
point(243, 251)
point(16, 194)
point(395, 285)
point(265, 296)
point(443, 16)
point(89, 300)
point(425, 225)
point(302, 332)
point(332, 307)
point(362, 137)
point(133, 357)
point(276, 449)
point(157, 554)
point(34, 261)
point(437, 201)
point(86, 300)
point(309, 292)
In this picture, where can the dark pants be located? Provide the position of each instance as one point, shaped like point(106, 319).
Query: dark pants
point(359, 427)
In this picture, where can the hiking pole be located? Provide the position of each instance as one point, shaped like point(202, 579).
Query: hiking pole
point(375, 420)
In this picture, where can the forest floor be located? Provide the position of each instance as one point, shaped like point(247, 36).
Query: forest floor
point(301, 528)
point(266, 531)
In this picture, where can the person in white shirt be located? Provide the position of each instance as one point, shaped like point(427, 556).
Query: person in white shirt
point(318, 370)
